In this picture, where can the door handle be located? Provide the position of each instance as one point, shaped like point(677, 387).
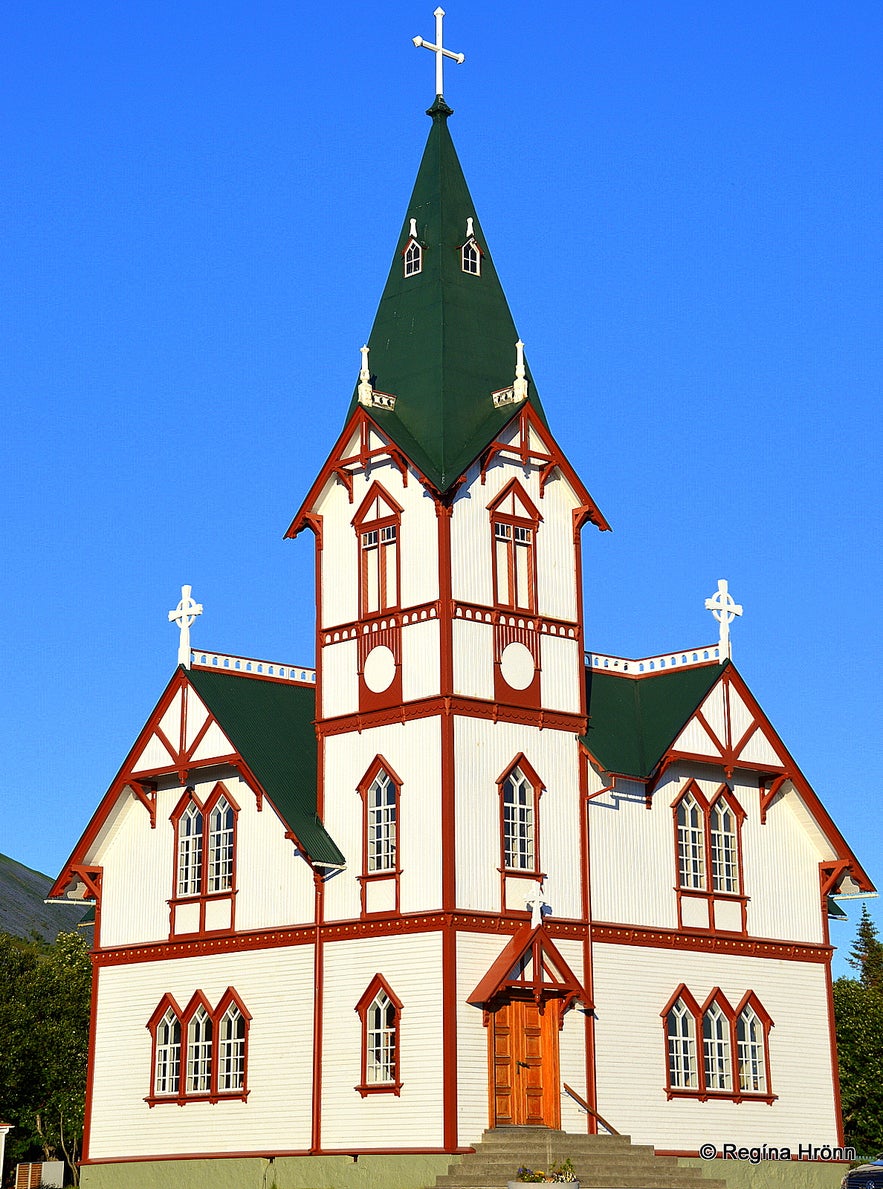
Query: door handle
point(523, 1064)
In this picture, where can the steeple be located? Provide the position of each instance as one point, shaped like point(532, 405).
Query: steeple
point(443, 344)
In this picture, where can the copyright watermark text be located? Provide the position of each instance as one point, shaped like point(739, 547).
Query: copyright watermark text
point(758, 1152)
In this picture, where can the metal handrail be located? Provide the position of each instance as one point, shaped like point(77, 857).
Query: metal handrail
point(582, 1102)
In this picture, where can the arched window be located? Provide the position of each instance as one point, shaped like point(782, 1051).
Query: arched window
point(381, 808)
point(752, 1031)
point(716, 1048)
point(380, 1011)
point(190, 851)
point(200, 1030)
point(683, 1068)
point(691, 842)
point(724, 830)
point(167, 1050)
point(470, 258)
point(520, 789)
point(413, 258)
point(221, 833)
point(231, 1050)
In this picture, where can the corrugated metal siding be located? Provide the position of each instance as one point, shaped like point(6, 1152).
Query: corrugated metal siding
point(562, 673)
point(633, 984)
point(572, 1044)
point(420, 660)
point(483, 751)
point(471, 573)
point(413, 750)
point(340, 679)
point(473, 659)
point(340, 589)
point(276, 987)
point(411, 965)
point(556, 558)
point(476, 952)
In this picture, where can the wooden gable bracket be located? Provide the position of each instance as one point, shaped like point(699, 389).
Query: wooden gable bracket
point(145, 791)
point(767, 795)
point(505, 974)
point(830, 874)
point(91, 877)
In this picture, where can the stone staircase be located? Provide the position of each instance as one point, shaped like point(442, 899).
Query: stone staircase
point(600, 1161)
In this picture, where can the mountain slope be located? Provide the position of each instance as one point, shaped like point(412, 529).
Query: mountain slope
point(22, 910)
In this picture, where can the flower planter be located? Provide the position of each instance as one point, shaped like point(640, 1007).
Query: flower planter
point(521, 1184)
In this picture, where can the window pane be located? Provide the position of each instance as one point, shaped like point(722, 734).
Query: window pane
point(503, 554)
point(190, 852)
point(220, 847)
point(716, 1041)
point(380, 1038)
point(382, 824)
point(231, 1050)
point(682, 1070)
point(691, 844)
point(167, 1075)
point(199, 1053)
point(752, 1067)
point(724, 849)
point(518, 825)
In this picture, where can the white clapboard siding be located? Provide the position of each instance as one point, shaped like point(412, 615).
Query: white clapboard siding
point(572, 1044)
point(411, 965)
point(339, 558)
point(340, 678)
point(556, 552)
point(471, 544)
point(633, 985)
point(413, 750)
point(562, 672)
point(476, 952)
point(483, 750)
point(473, 645)
point(276, 987)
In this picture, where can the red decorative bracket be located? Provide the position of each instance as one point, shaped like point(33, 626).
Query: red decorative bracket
point(831, 875)
point(767, 794)
point(145, 791)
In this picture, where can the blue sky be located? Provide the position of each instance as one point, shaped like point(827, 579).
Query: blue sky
point(199, 206)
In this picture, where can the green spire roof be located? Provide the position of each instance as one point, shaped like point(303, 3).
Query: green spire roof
point(443, 339)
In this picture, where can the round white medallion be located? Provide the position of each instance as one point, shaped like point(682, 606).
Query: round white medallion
point(380, 668)
point(517, 666)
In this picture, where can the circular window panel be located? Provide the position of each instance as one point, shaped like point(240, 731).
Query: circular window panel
point(380, 669)
point(517, 666)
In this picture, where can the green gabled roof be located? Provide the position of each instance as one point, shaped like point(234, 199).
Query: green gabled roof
point(270, 723)
point(443, 340)
point(634, 720)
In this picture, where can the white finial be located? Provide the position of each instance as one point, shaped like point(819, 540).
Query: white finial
point(469, 229)
point(185, 616)
point(724, 608)
point(536, 903)
point(412, 231)
point(366, 392)
point(519, 390)
point(439, 51)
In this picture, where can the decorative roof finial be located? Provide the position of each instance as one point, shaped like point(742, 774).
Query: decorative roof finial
point(366, 392)
point(439, 51)
point(185, 616)
point(724, 608)
point(519, 389)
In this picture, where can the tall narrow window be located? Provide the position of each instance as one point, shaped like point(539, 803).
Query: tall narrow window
point(190, 851)
point(691, 843)
point(750, 1043)
point(199, 1052)
point(222, 822)
point(724, 847)
point(470, 258)
point(231, 1050)
point(381, 811)
point(380, 1013)
point(413, 258)
point(377, 526)
point(716, 1048)
point(683, 1070)
point(167, 1062)
point(514, 521)
point(520, 789)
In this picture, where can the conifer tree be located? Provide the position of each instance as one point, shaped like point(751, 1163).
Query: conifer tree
point(866, 955)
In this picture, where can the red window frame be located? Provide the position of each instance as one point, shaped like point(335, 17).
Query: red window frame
point(379, 765)
point(732, 1015)
point(198, 1000)
point(523, 765)
point(203, 896)
point(378, 514)
point(708, 890)
point(513, 513)
point(362, 1008)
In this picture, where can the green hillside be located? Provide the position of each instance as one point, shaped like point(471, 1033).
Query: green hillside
point(22, 910)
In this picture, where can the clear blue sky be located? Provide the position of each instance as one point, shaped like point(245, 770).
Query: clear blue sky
point(199, 203)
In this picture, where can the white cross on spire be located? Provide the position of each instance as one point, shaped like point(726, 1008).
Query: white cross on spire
point(724, 608)
point(439, 51)
point(185, 616)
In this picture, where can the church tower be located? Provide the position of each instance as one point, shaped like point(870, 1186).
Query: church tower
point(450, 672)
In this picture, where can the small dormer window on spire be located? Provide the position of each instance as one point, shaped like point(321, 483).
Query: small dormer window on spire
point(470, 253)
point(413, 253)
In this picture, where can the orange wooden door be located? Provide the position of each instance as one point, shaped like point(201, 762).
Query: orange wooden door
point(524, 1060)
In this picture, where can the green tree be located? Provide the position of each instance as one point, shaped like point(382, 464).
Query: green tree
point(44, 1032)
point(866, 955)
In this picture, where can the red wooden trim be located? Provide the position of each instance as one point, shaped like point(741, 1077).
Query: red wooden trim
point(456, 706)
point(90, 1061)
point(145, 791)
point(720, 942)
point(318, 1013)
point(377, 492)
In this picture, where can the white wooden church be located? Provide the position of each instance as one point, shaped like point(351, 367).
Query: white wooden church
point(465, 873)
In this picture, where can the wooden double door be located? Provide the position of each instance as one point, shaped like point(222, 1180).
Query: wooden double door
point(525, 1077)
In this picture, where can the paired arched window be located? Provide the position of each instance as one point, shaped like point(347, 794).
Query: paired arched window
point(708, 841)
point(715, 1050)
point(199, 1052)
point(205, 844)
point(377, 528)
point(380, 1011)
